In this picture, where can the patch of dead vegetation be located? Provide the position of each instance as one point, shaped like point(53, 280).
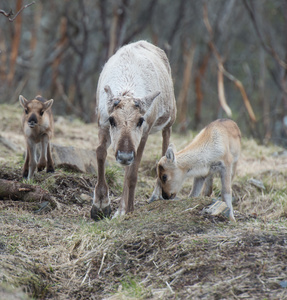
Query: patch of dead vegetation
point(164, 250)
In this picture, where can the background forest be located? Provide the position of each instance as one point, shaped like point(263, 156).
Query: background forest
point(227, 56)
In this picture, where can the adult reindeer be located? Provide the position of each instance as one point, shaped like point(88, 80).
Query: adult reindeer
point(135, 97)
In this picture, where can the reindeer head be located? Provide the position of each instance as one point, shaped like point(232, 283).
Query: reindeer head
point(126, 117)
point(35, 110)
point(170, 175)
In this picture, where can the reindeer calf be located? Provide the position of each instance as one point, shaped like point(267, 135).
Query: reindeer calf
point(215, 149)
point(38, 127)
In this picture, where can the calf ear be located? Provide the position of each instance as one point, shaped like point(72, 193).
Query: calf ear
point(48, 104)
point(170, 153)
point(23, 101)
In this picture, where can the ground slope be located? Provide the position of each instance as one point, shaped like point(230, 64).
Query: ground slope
point(164, 250)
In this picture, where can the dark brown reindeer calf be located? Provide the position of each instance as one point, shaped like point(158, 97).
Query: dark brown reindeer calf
point(38, 127)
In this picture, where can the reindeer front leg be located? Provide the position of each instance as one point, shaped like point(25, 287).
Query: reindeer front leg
point(45, 159)
point(165, 142)
point(130, 182)
point(50, 163)
point(101, 203)
point(26, 164)
point(208, 185)
point(31, 154)
point(43, 153)
point(197, 186)
point(226, 192)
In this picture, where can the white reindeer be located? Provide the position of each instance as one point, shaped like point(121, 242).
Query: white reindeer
point(135, 97)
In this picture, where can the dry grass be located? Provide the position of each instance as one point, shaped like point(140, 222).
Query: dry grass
point(165, 250)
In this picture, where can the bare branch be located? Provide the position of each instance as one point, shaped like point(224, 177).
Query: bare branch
point(10, 13)
point(267, 48)
point(222, 70)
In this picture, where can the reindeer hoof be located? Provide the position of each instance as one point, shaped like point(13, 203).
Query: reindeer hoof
point(40, 168)
point(98, 214)
point(152, 199)
point(50, 170)
point(25, 174)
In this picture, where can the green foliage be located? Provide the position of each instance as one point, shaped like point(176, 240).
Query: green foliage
point(114, 177)
point(131, 287)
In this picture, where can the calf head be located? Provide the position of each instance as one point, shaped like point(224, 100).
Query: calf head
point(34, 110)
point(170, 175)
point(126, 117)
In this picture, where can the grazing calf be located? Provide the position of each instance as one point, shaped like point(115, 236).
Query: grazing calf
point(38, 127)
point(215, 149)
point(135, 97)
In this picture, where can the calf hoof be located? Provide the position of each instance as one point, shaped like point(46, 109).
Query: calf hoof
point(25, 174)
point(98, 214)
point(152, 199)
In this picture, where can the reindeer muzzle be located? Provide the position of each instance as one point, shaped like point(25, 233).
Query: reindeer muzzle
point(32, 124)
point(167, 196)
point(125, 158)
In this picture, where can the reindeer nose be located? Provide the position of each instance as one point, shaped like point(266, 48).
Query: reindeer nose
point(165, 195)
point(125, 158)
point(32, 120)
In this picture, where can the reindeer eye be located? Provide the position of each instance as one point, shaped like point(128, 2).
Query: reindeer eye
point(26, 111)
point(164, 178)
point(112, 121)
point(140, 122)
point(41, 113)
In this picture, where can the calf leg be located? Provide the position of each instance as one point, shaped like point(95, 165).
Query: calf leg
point(43, 153)
point(226, 191)
point(32, 159)
point(101, 202)
point(26, 164)
point(197, 186)
point(165, 142)
point(208, 184)
point(50, 163)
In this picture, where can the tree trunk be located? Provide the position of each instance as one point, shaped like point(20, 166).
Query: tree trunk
point(15, 43)
point(183, 96)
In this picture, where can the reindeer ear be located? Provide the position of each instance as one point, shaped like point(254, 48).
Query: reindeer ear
point(149, 98)
point(112, 102)
point(170, 153)
point(109, 92)
point(146, 102)
point(47, 104)
point(23, 101)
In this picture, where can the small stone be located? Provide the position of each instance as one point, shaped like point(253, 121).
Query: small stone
point(257, 183)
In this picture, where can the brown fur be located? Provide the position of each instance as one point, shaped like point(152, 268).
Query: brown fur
point(215, 149)
point(38, 127)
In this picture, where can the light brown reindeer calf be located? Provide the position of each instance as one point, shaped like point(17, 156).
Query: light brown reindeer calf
point(215, 149)
point(38, 127)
